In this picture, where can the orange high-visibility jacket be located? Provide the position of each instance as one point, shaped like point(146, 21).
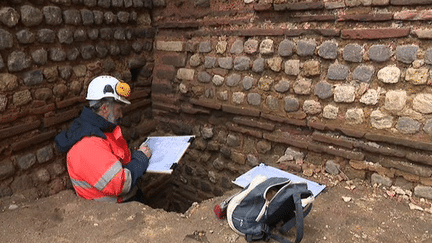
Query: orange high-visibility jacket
point(95, 166)
point(99, 162)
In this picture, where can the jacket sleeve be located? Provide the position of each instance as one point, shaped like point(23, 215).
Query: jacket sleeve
point(93, 162)
point(137, 166)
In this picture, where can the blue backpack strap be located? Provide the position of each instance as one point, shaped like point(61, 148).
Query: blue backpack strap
point(292, 222)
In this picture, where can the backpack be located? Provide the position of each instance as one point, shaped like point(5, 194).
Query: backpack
point(269, 203)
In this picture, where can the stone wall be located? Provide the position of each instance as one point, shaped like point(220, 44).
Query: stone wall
point(340, 81)
point(50, 51)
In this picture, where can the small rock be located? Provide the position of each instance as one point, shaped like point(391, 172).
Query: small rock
point(13, 206)
point(415, 207)
point(346, 199)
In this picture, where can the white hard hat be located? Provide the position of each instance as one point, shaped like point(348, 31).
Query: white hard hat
point(107, 86)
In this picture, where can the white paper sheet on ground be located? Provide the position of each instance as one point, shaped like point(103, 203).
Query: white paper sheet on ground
point(270, 171)
point(166, 152)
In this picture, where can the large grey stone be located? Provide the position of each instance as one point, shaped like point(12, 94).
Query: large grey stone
point(87, 51)
point(254, 99)
point(104, 3)
point(18, 61)
point(353, 53)
point(80, 35)
point(205, 47)
point(65, 36)
point(53, 15)
point(291, 104)
point(209, 62)
point(338, 72)
point(7, 169)
point(25, 36)
point(328, 50)
point(427, 128)
point(282, 86)
point(286, 48)
point(407, 125)
point(33, 77)
point(72, 16)
point(272, 102)
point(87, 17)
point(380, 53)
point(306, 47)
point(241, 63)
point(98, 17)
point(110, 18)
point(428, 56)
point(106, 33)
point(237, 47)
point(195, 60)
point(363, 73)
point(44, 154)
point(233, 80)
point(423, 191)
point(225, 62)
point(46, 36)
point(31, 16)
point(123, 17)
point(381, 180)
point(3, 103)
point(258, 65)
point(90, 3)
point(204, 77)
point(101, 50)
point(9, 16)
point(39, 56)
point(72, 54)
point(323, 90)
point(57, 54)
point(248, 82)
point(6, 39)
point(406, 53)
point(332, 167)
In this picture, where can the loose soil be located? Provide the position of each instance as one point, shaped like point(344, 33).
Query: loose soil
point(345, 212)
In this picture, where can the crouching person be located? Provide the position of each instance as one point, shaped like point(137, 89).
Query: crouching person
point(99, 162)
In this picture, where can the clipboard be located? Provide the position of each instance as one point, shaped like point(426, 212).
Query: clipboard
point(167, 152)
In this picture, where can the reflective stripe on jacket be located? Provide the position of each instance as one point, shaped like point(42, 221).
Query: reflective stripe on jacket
point(95, 166)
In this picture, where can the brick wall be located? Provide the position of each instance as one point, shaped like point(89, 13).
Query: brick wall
point(344, 81)
point(294, 84)
point(50, 51)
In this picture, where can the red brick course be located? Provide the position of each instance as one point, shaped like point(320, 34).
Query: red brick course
point(374, 34)
point(11, 131)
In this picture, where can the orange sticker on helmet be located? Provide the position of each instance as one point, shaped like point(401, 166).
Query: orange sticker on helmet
point(123, 89)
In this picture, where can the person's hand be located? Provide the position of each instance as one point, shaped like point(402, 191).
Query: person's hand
point(146, 150)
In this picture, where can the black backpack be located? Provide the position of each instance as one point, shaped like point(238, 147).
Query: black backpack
point(269, 203)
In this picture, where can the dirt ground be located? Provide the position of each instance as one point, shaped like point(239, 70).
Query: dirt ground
point(350, 211)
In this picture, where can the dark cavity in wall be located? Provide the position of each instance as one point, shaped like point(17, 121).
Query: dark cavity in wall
point(172, 192)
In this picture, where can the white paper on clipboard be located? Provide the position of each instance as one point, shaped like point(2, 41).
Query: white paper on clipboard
point(270, 171)
point(166, 152)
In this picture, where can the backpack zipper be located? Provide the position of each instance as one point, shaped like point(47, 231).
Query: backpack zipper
point(267, 202)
